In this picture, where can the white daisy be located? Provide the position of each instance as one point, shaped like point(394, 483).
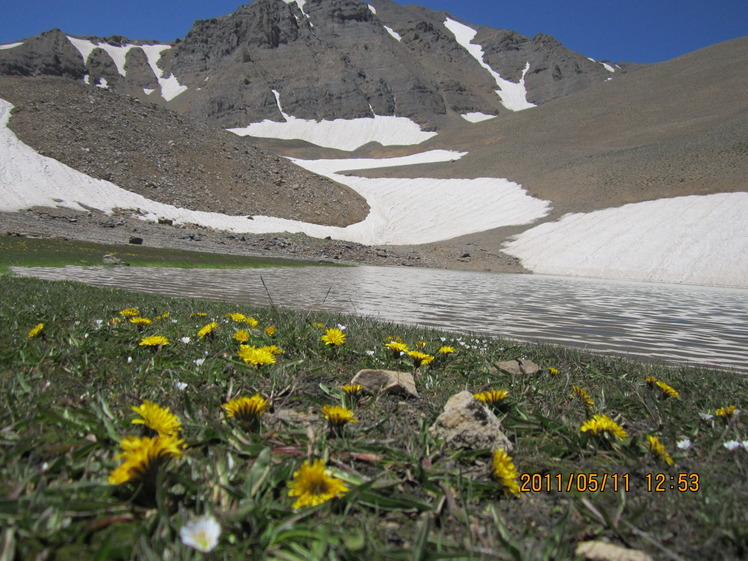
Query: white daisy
point(731, 445)
point(202, 533)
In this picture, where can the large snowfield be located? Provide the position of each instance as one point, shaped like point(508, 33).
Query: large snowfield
point(697, 239)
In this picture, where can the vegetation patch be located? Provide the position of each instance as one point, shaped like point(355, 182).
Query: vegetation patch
point(135, 426)
point(53, 252)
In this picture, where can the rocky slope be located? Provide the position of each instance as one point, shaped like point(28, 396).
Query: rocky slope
point(167, 157)
point(327, 59)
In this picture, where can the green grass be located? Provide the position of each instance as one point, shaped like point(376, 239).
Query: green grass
point(51, 252)
point(66, 403)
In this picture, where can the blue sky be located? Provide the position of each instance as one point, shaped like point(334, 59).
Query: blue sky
point(616, 30)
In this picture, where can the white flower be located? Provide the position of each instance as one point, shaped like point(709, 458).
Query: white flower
point(731, 445)
point(199, 361)
point(181, 386)
point(370, 353)
point(684, 444)
point(341, 327)
point(129, 360)
point(185, 340)
point(744, 444)
point(706, 416)
point(201, 533)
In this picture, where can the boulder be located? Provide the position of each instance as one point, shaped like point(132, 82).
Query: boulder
point(388, 381)
point(518, 366)
point(467, 423)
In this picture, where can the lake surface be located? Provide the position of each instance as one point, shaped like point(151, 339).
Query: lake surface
point(676, 323)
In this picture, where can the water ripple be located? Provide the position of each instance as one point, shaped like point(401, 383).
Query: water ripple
point(676, 323)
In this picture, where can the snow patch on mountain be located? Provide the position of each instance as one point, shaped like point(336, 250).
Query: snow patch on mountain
point(117, 54)
point(341, 134)
point(513, 95)
point(477, 117)
point(10, 46)
point(691, 239)
point(170, 86)
point(392, 32)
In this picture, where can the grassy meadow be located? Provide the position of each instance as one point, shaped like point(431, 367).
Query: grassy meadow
point(54, 252)
point(76, 483)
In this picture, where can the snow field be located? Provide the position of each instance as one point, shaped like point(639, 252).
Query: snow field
point(691, 239)
point(341, 134)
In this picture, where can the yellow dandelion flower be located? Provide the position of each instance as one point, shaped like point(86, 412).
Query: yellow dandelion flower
point(207, 329)
point(446, 350)
point(163, 316)
point(334, 337)
point(238, 318)
point(318, 325)
point(726, 412)
point(137, 320)
point(313, 485)
point(504, 470)
point(553, 371)
point(421, 344)
point(274, 349)
point(659, 450)
point(36, 330)
point(397, 347)
point(393, 339)
point(143, 457)
point(247, 410)
point(582, 394)
point(242, 336)
point(352, 389)
point(492, 397)
point(251, 322)
point(115, 321)
point(198, 314)
point(270, 330)
point(338, 416)
point(130, 312)
point(157, 418)
point(256, 356)
point(667, 391)
point(420, 358)
point(600, 424)
point(154, 341)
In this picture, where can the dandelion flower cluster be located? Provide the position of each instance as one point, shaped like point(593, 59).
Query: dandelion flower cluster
point(247, 410)
point(582, 394)
point(352, 389)
point(158, 419)
point(242, 336)
point(256, 356)
point(154, 341)
point(36, 330)
point(492, 397)
point(727, 412)
point(420, 358)
point(238, 318)
point(313, 485)
point(334, 336)
point(504, 470)
point(666, 390)
point(207, 329)
point(337, 416)
point(658, 449)
point(129, 312)
point(601, 424)
point(143, 457)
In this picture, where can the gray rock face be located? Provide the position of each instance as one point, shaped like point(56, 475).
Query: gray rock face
point(387, 381)
point(467, 423)
point(335, 59)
